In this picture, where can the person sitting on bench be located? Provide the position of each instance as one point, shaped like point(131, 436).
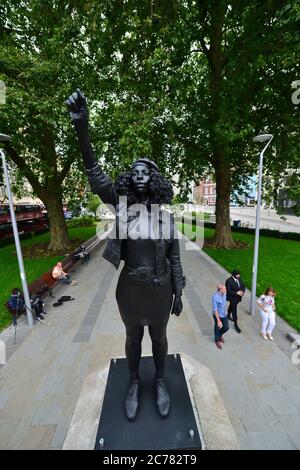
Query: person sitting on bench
point(81, 253)
point(38, 307)
point(59, 274)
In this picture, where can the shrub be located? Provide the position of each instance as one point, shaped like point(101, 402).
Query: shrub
point(83, 221)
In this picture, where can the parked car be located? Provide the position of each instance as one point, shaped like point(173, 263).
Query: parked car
point(68, 214)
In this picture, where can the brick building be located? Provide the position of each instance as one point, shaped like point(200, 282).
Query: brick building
point(205, 192)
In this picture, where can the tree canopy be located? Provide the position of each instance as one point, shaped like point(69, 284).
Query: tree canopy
point(187, 83)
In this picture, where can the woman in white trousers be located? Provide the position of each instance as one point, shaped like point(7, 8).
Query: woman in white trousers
point(266, 303)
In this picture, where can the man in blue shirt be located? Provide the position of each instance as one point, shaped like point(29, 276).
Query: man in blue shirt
point(220, 314)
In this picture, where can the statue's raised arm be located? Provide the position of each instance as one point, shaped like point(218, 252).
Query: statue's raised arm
point(99, 181)
point(151, 282)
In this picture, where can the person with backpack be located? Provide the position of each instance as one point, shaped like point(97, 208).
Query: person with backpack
point(16, 304)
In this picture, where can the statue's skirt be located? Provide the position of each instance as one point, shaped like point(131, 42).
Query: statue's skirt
point(144, 299)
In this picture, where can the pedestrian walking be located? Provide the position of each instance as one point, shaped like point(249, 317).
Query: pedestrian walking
point(220, 314)
point(266, 303)
point(235, 288)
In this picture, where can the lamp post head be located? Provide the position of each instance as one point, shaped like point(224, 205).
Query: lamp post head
point(5, 138)
point(262, 137)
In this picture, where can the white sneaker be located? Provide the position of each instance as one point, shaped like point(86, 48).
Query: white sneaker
point(270, 337)
point(264, 336)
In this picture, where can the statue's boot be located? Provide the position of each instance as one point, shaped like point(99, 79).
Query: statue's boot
point(163, 400)
point(132, 399)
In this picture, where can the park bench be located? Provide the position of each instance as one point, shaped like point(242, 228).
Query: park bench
point(46, 283)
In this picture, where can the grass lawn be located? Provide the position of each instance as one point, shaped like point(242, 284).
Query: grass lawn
point(34, 268)
point(278, 267)
point(200, 215)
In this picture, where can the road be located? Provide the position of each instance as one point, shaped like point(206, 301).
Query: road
point(269, 218)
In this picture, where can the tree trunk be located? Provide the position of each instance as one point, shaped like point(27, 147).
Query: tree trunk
point(51, 195)
point(222, 237)
point(59, 240)
point(221, 161)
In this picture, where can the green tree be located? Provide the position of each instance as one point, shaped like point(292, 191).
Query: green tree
point(236, 63)
point(92, 203)
point(189, 83)
point(39, 67)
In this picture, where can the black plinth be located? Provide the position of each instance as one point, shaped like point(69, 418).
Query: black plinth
point(149, 431)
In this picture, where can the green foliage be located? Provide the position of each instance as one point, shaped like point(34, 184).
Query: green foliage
point(179, 199)
point(40, 67)
point(83, 221)
point(93, 203)
point(185, 83)
point(190, 83)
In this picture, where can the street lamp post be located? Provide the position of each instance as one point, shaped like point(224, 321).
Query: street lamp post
point(6, 138)
point(259, 138)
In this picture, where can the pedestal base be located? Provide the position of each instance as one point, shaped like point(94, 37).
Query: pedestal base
point(149, 431)
point(212, 420)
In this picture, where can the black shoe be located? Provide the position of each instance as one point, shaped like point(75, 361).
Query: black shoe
point(163, 401)
point(132, 399)
point(237, 329)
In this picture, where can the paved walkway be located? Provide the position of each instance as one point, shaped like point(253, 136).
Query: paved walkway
point(41, 382)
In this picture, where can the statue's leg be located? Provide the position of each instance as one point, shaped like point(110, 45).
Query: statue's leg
point(158, 335)
point(133, 349)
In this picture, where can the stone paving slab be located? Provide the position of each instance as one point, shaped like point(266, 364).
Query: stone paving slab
point(37, 437)
point(60, 432)
point(291, 425)
point(43, 377)
point(4, 396)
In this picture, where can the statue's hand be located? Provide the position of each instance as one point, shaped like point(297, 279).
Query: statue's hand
point(177, 305)
point(77, 106)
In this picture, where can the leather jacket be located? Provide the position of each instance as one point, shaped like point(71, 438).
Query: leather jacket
point(166, 247)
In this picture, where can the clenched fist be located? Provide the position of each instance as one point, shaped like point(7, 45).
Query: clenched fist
point(77, 106)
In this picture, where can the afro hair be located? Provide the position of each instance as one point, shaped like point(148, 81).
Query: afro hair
point(161, 191)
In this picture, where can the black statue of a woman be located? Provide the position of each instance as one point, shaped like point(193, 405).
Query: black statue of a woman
point(151, 282)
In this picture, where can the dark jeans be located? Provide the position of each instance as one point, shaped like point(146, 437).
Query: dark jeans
point(232, 309)
point(220, 331)
point(38, 307)
point(66, 279)
point(83, 256)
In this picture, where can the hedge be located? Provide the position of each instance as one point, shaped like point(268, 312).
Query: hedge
point(263, 231)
